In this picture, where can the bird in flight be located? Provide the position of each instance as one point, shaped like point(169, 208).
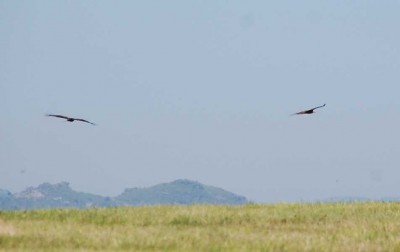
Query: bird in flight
point(71, 119)
point(309, 111)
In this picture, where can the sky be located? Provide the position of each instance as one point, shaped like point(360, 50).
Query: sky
point(202, 90)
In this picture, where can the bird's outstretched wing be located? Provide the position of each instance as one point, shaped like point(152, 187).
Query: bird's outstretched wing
point(60, 116)
point(83, 120)
point(318, 107)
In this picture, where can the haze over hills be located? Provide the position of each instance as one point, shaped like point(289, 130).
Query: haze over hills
point(61, 195)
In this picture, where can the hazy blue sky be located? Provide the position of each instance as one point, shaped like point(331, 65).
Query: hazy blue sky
point(202, 90)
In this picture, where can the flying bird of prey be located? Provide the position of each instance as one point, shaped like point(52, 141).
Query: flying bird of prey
point(309, 111)
point(71, 119)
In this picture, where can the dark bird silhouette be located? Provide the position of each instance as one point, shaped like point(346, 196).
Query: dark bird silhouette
point(71, 119)
point(309, 111)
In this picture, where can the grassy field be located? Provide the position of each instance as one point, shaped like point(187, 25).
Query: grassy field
point(278, 227)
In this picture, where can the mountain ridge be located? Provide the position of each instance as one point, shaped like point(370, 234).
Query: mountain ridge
point(60, 195)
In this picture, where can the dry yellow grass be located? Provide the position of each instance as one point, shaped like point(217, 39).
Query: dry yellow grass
point(6, 228)
point(279, 227)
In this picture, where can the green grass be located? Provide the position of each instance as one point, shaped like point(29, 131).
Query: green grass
point(369, 226)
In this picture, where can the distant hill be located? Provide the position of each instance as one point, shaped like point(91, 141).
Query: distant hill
point(178, 192)
point(61, 195)
point(55, 195)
